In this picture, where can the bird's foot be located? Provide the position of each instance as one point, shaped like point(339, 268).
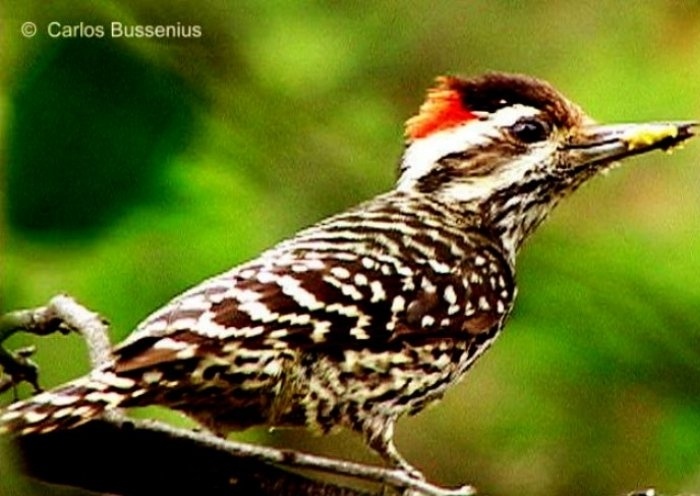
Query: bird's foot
point(415, 484)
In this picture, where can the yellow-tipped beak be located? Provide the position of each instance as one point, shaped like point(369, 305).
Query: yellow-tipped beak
point(646, 135)
point(607, 143)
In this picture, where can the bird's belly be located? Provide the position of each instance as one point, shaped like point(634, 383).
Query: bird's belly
point(345, 390)
point(325, 391)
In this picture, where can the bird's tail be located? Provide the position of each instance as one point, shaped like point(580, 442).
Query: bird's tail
point(69, 405)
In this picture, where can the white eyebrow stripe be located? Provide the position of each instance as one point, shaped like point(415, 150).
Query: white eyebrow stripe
point(422, 154)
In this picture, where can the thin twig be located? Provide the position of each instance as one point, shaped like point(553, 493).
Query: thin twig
point(62, 314)
point(91, 326)
point(17, 366)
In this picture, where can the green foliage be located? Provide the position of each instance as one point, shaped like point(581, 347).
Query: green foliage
point(138, 167)
point(106, 122)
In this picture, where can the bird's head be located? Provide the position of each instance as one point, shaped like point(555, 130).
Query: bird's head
point(509, 147)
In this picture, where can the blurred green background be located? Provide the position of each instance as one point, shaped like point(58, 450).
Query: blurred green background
point(134, 168)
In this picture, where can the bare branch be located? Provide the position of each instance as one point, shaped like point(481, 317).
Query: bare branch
point(63, 314)
point(154, 450)
point(136, 459)
point(89, 324)
point(291, 458)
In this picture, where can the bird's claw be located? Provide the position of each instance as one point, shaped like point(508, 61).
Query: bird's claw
point(420, 487)
point(440, 491)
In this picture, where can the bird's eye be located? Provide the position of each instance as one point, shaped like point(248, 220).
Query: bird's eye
point(530, 130)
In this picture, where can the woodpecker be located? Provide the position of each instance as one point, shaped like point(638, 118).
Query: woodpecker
point(375, 312)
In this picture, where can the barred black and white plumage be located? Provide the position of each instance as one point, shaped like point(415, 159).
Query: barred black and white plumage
point(375, 312)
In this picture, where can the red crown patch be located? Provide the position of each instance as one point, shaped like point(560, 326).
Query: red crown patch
point(442, 109)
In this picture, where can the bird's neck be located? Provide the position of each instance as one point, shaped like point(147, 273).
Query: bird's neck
point(514, 219)
point(508, 216)
point(432, 217)
point(504, 220)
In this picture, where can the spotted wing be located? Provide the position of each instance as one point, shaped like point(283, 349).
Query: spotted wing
point(327, 304)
